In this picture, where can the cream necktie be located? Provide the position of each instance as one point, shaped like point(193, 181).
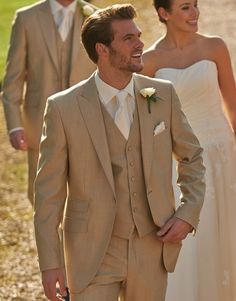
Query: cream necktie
point(121, 117)
point(65, 24)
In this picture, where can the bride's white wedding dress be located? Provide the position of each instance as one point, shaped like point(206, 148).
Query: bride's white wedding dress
point(206, 270)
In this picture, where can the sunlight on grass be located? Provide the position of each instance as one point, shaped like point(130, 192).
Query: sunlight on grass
point(14, 174)
point(13, 164)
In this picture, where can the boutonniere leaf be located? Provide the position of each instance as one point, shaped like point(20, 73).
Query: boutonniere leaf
point(150, 95)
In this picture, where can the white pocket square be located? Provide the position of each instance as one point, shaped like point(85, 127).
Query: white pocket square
point(159, 128)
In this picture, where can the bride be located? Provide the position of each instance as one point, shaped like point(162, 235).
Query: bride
point(200, 68)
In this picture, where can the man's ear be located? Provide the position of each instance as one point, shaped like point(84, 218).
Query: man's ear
point(101, 49)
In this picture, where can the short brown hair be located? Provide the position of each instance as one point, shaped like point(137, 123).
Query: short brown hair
point(97, 28)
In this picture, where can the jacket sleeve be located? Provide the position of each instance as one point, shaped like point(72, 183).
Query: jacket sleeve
point(188, 153)
point(15, 74)
point(50, 189)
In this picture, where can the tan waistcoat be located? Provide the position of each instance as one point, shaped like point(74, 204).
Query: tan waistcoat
point(64, 56)
point(126, 159)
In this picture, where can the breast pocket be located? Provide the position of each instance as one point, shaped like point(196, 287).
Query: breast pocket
point(76, 216)
point(162, 136)
point(162, 141)
point(163, 132)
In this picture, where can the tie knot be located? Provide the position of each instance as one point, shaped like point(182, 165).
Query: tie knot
point(121, 97)
point(65, 13)
point(64, 23)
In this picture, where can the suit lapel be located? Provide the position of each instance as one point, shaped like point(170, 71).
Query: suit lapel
point(89, 104)
point(146, 131)
point(76, 43)
point(47, 25)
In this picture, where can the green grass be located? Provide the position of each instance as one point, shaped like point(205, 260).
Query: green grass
point(7, 11)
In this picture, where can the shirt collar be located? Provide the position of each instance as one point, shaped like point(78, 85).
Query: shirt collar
point(56, 6)
point(107, 92)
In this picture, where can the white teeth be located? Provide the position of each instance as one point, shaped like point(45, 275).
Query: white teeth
point(192, 22)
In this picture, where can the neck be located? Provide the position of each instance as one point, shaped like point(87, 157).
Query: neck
point(65, 2)
point(178, 40)
point(117, 79)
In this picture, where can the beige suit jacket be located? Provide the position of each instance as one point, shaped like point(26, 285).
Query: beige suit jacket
point(32, 72)
point(75, 171)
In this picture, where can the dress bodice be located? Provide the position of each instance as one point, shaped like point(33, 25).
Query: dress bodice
point(198, 90)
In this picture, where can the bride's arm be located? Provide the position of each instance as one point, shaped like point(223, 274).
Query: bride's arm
point(226, 79)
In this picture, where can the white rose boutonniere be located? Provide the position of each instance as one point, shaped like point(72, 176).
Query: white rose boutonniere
point(87, 10)
point(150, 95)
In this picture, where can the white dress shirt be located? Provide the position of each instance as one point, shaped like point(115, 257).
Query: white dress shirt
point(63, 16)
point(107, 95)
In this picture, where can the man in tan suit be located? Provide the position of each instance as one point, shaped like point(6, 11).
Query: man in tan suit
point(106, 157)
point(45, 56)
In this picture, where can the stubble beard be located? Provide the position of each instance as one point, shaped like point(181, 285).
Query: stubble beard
point(122, 63)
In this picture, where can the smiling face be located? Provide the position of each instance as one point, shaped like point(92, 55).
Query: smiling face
point(125, 51)
point(183, 15)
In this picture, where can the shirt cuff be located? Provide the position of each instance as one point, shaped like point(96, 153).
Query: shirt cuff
point(15, 129)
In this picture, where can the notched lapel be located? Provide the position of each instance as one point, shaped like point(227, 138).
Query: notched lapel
point(76, 43)
point(146, 131)
point(90, 108)
point(47, 25)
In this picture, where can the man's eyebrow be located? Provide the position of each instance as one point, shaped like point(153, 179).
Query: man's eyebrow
point(132, 34)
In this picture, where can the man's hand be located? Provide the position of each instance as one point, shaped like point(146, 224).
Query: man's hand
point(18, 140)
point(49, 279)
point(174, 230)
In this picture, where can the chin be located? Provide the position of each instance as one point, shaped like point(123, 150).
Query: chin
point(137, 68)
point(193, 28)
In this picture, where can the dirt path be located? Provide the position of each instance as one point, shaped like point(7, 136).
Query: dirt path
point(19, 275)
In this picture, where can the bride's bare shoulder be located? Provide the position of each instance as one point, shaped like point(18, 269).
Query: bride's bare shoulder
point(211, 42)
point(151, 58)
point(214, 47)
point(155, 48)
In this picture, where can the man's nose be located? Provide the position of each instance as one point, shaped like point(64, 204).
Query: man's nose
point(140, 44)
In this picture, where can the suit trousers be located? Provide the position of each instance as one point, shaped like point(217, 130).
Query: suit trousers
point(132, 270)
